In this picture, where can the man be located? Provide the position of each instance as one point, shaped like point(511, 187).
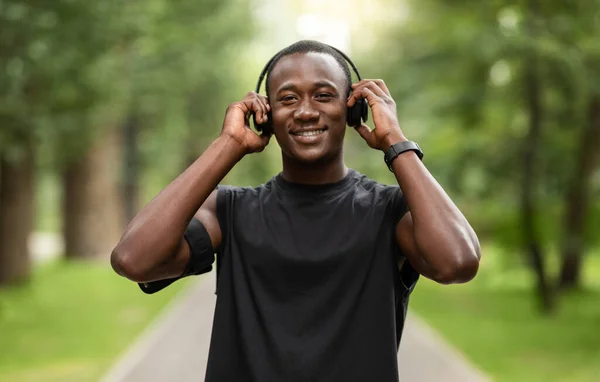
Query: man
point(315, 267)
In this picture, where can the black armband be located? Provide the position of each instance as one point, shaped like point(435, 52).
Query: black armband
point(202, 256)
point(408, 277)
point(202, 253)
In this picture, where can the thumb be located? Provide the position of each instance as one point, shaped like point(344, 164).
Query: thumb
point(265, 139)
point(364, 131)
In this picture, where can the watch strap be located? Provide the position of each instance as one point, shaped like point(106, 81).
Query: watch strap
point(398, 148)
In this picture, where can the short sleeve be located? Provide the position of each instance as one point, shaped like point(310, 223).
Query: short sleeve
point(224, 211)
point(225, 200)
point(407, 275)
point(398, 203)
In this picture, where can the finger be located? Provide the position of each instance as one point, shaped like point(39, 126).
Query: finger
point(363, 93)
point(370, 82)
point(362, 83)
point(266, 107)
point(382, 86)
point(264, 141)
point(265, 101)
point(365, 132)
point(245, 105)
point(354, 96)
point(265, 138)
point(260, 111)
point(376, 89)
point(252, 106)
point(359, 83)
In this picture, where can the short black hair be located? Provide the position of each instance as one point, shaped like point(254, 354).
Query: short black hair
point(306, 46)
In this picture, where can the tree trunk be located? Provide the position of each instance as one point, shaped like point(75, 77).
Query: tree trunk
point(131, 169)
point(17, 206)
point(93, 217)
point(532, 244)
point(578, 200)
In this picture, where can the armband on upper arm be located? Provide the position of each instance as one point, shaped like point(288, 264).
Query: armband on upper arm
point(202, 256)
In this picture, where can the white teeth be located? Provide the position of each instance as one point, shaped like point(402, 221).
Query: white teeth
point(309, 133)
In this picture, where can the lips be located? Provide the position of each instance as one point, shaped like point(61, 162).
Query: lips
point(308, 132)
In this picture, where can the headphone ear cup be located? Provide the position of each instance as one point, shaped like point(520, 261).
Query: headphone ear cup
point(357, 113)
point(351, 116)
point(264, 128)
point(364, 112)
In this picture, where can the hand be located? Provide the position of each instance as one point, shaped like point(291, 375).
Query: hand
point(237, 122)
point(383, 108)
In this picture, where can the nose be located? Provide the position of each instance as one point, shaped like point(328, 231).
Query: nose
point(305, 112)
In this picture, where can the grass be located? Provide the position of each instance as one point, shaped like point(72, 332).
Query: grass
point(72, 322)
point(495, 322)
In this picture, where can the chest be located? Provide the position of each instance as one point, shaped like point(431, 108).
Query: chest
point(310, 240)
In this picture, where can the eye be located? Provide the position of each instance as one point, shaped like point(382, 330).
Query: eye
point(324, 96)
point(287, 98)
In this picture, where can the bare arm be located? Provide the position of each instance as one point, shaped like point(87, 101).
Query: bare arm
point(435, 236)
point(152, 247)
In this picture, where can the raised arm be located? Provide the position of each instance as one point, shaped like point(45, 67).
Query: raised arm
point(435, 236)
point(153, 247)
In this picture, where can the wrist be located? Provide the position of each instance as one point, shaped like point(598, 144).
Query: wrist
point(231, 145)
point(400, 148)
point(390, 139)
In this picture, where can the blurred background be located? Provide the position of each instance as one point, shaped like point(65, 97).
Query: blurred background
point(103, 103)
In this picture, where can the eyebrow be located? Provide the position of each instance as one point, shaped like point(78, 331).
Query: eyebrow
point(318, 84)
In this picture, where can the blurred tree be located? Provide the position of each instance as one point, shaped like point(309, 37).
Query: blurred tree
point(531, 148)
point(185, 67)
point(43, 50)
point(478, 82)
point(88, 144)
point(131, 167)
point(578, 199)
point(72, 83)
point(583, 19)
point(16, 213)
point(17, 150)
point(170, 51)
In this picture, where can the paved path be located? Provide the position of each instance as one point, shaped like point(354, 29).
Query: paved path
point(175, 347)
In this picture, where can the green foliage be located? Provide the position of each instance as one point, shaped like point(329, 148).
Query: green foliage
point(456, 71)
point(54, 56)
point(75, 68)
point(185, 68)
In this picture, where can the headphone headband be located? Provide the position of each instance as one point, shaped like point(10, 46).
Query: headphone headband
point(266, 68)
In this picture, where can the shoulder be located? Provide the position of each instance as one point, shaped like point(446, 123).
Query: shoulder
point(229, 192)
point(380, 191)
point(385, 200)
point(239, 203)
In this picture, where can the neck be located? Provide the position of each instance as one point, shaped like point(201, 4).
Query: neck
point(328, 170)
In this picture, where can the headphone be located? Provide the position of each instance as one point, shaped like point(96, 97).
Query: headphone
point(357, 112)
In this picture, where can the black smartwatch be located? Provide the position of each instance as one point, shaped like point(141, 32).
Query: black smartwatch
point(398, 148)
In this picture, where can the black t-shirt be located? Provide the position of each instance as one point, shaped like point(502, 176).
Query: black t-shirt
point(308, 285)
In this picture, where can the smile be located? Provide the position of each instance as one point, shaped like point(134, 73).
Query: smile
point(309, 133)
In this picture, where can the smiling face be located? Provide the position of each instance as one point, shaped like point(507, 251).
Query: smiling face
point(308, 94)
